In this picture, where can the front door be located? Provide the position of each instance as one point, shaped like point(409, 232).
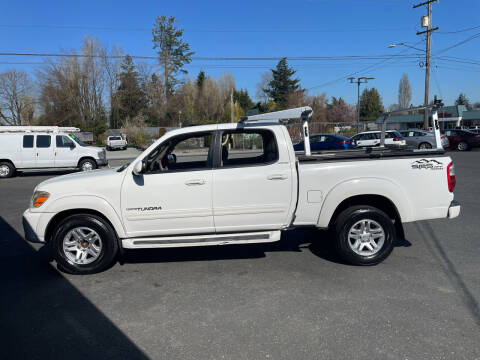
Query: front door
point(65, 152)
point(45, 154)
point(252, 184)
point(174, 194)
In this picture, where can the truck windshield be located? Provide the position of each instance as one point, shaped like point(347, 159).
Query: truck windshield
point(77, 140)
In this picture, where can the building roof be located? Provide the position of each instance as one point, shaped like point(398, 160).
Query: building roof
point(471, 115)
point(454, 111)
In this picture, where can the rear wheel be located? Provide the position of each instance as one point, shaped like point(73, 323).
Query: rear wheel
point(87, 165)
point(84, 244)
point(364, 235)
point(6, 169)
point(425, 146)
point(462, 146)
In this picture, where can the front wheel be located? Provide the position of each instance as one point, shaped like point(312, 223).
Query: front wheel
point(87, 165)
point(6, 169)
point(84, 244)
point(364, 235)
point(462, 146)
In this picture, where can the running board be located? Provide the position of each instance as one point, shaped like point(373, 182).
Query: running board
point(201, 240)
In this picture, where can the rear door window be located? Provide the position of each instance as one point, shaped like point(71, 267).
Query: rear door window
point(44, 141)
point(28, 141)
point(249, 147)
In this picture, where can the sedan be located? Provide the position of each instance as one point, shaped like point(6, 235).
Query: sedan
point(421, 139)
point(462, 139)
point(326, 142)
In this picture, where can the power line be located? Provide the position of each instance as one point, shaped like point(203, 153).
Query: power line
point(459, 43)
point(459, 31)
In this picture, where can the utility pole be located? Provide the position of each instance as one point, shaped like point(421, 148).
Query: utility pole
point(360, 80)
point(231, 107)
point(427, 22)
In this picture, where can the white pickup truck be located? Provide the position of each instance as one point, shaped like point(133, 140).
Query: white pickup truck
point(116, 142)
point(239, 184)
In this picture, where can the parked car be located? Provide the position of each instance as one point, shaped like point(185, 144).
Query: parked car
point(116, 142)
point(326, 142)
point(372, 138)
point(462, 140)
point(45, 147)
point(219, 197)
point(421, 139)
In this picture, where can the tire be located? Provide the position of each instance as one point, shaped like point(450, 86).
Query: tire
point(6, 169)
point(350, 221)
point(96, 254)
point(87, 165)
point(462, 146)
point(425, 145)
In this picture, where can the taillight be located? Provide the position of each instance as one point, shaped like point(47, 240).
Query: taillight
point(344, 142)
point(396, 139)
point(451, 177)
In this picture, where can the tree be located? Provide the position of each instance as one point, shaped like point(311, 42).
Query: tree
point(16, 102)
point(282, 84)
point(201, 76)
point(173, 52)
point(370, 105)
point(340, 111)
point(463, 100)
point(261, 94)
point(476, 105)
point(404, 92)
point(243, 99)
point(131, 97)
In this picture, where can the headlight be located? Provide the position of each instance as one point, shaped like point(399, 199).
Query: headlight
point(38, 198)
point(101, 154)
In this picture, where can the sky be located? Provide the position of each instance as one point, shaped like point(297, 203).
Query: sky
point(269, 29)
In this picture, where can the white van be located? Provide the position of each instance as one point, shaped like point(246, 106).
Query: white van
point(41, 147)
point(372, 138)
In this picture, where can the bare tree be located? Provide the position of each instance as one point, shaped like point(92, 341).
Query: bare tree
point(404, 92)
point(265, 79)
point(16, 101)
point(111, 64)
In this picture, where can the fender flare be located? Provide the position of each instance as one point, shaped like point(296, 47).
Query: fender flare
point(365, 186)
point(86, 202)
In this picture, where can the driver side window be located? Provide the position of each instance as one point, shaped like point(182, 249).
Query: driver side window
point(181, 153)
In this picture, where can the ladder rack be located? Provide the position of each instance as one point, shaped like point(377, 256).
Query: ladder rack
point(29, 129)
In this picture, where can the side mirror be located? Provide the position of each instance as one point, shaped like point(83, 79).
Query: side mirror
point(72, 146)
point(139, 168)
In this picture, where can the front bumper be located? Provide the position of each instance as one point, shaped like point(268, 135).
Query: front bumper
point(453, 209)
point(102, 162)
point(29, 225)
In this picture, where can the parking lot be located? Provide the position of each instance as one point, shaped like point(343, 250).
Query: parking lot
point(288, 300)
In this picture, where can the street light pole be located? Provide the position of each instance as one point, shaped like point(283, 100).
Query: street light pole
point(360, 80)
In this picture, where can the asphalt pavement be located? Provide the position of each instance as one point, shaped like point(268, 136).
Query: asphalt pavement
point(288, 300)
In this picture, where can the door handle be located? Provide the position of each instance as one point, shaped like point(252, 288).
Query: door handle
point(195, 182)
point(277, 177)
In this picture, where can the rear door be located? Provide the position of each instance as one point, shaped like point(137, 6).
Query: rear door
point(45, 153)
point(252, 182)
point(65, 151)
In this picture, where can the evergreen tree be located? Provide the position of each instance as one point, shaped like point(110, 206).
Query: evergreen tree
point(201, 76)
point(131, 97)
point(282, 84)
point(173, 52)
point(463, 100)
point(370, 105)
point(243, 99)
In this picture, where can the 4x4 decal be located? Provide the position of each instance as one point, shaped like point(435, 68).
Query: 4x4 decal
point(427, 164)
